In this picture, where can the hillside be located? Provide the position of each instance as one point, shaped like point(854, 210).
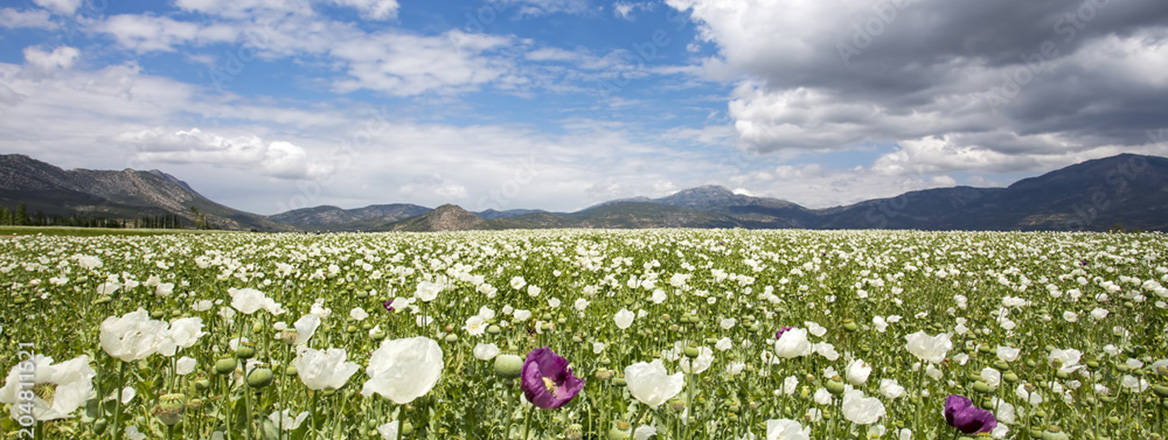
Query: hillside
point(125, 194)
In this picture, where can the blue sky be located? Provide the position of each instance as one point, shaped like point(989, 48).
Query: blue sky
point(269, 105)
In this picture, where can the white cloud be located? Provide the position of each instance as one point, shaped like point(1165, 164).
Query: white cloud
point(374, 9)
point(273, 158)
point(63, 7)
point(60, 58)
point(14, 19)
point(626, 10)
point(246, 9)
point(403, 64)
point(535, 8)
point(148, 33)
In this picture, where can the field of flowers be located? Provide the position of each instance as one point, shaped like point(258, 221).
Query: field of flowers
point(666, 334)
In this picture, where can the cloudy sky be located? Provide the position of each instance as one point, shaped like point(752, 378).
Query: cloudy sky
point(269, 105)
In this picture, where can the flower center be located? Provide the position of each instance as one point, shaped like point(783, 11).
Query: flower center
point(45, 391)
point(550, 384)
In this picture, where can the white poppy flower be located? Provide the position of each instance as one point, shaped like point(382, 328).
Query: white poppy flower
point(323, 370)
point(358, 314)
point(72, 381)
point(486, 352)
point(623, 318)
point(305, 327)
point(928, 348)
point(860, 409)
point(1007, 354)
point(404, 369)
point(786, 430)
point(792, 344)
point(133, 336)
point(890, 389)
point(388, 431)
point(858, 372)
point(651, 384)
point(284, 420)
point(185, 365)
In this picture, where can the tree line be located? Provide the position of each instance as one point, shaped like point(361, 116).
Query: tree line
point(19, 216)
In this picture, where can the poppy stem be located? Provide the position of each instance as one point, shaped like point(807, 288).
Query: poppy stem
point(118, 403)
point(527, 424)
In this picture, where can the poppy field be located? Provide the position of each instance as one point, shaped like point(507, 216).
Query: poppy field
point(586, 334)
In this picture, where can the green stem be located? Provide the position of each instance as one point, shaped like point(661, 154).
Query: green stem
point(527, 424)
point(118, 403)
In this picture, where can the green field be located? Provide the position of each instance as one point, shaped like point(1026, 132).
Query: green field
point(673, 332)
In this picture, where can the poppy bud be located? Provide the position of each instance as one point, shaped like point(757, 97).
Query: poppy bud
point(835, 387)
point(170, 408)
point(508, 366)
point(259, 378)
point(245, 352)
point(224, 366)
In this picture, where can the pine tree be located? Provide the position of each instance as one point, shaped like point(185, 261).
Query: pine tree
point(5, 216)
point(21, 217)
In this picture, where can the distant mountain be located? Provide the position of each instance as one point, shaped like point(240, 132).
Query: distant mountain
point(332, 218)
point(1126, 190)
point(126, 194)
point(442, 218)
point(492, 214)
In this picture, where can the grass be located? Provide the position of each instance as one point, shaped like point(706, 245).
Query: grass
point(92, 232)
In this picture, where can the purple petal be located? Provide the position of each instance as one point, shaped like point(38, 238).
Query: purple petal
point(961, 414)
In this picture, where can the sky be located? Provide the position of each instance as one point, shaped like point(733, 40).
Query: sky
point(272, 105)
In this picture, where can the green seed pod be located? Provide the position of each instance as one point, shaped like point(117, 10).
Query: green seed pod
point(203, 384)
point(194, 404)
point(982, 387)
point(257, 328)
point(677, 405)
point(245, 352)
point(170, 408)
point(494, 330)
point(157, 314)
point(508, 366)
point(407, 428)
point(351, 329)
point(290, 370)
point(1010, 377)
point(835, 387)
point(451, 338)
point(103, 300)
point(377, 335)
point(259, 378)
point(691, 351)
point(1160, 390)
point(619, 381)
point(225, 365)
point(851, 326)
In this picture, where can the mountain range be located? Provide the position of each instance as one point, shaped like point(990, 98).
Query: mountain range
point(1127, 190)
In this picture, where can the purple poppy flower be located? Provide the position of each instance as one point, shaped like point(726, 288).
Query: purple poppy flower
point(969, 419)
point(547, 381)
point(779, 334)
point(388, 305)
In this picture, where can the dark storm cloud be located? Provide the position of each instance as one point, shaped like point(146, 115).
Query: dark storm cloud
point(1036, 77)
